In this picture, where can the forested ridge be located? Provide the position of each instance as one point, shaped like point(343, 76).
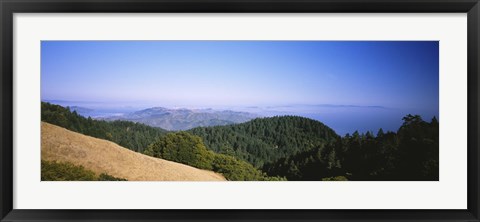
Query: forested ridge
point(265, 140)
point(409, 154)
point(181, 147)
point(277, 148)
point(134, 136)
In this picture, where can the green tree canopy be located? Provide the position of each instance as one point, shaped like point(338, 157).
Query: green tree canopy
point(181, 147)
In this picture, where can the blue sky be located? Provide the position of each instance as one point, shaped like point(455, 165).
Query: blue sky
point(392, 74)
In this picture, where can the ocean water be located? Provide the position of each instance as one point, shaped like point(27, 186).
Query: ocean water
point(348, 119)
point(359, 119)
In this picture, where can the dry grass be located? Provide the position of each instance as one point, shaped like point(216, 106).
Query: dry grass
point(101, 156)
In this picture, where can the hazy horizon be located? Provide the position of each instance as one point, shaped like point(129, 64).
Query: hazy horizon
point(348, 84)
point(341, 118)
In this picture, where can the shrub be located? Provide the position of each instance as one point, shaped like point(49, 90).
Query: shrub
point(337, 178)
point(182, 147)
point(65, 171)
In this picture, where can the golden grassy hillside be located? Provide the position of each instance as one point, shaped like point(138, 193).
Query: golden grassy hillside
point(101, 156)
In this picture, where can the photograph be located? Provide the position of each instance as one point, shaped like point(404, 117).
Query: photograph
point(239, 110)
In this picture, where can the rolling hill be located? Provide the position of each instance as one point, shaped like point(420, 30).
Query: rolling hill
point(184, 119)
point(101, 156)
point(134, 136)
point(265, 140)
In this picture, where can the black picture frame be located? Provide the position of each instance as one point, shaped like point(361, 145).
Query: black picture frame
point(9, 7)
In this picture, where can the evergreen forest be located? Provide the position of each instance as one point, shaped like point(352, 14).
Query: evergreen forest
point(272, 148)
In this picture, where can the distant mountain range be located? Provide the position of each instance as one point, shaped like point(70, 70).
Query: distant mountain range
point(184, 119)
point(81, 110)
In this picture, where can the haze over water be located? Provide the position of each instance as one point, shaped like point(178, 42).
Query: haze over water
point(352, 85)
